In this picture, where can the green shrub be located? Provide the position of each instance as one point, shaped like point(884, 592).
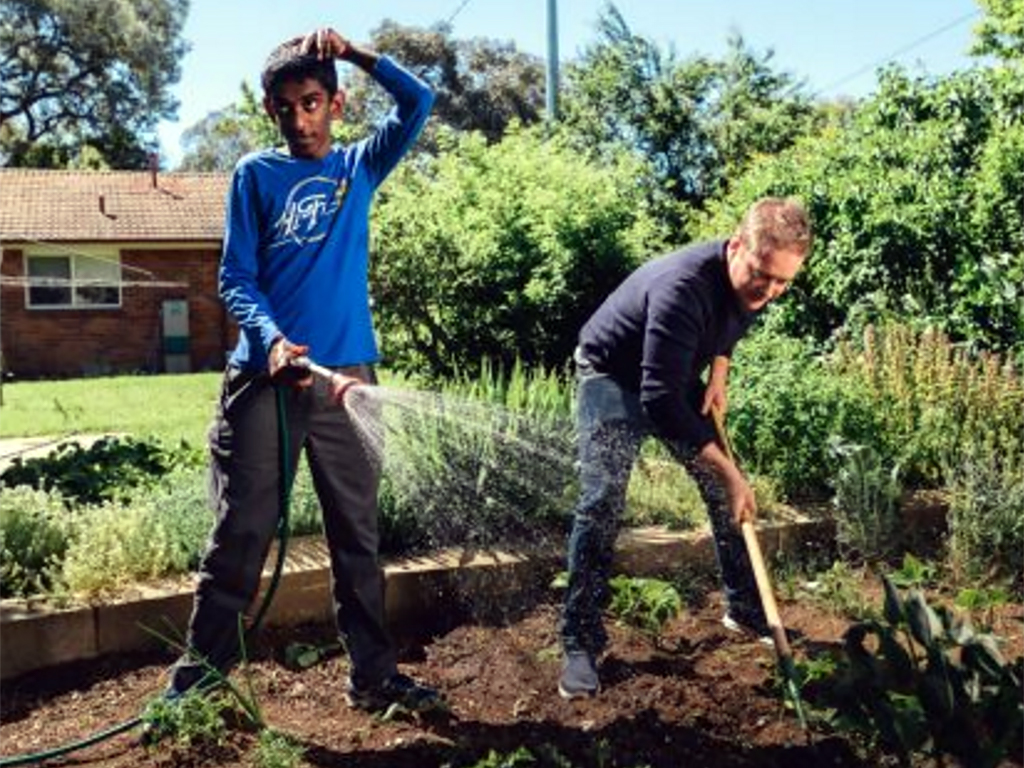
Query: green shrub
point(785, 405)
point(115, 545)
point(501, 251)
point(986, 518)
point(180, 504)
point(34, 530)
point(106, 470)
point(915, 199)
point(661, 492)
point(485, 461)
point(935, 400)
point(957, 420)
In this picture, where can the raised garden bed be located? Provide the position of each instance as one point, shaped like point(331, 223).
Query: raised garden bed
point(483, 630)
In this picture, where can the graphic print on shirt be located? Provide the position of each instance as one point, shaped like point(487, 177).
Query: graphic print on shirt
point(309, 210)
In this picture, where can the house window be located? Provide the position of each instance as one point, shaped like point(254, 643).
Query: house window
point(78, 281)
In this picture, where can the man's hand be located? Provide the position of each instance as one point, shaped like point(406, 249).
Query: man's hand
point(715, 396)
point(279, 364)
point(738, 493)
point(742, 503)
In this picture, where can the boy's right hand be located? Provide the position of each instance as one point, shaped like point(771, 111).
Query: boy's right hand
point(326, 44)
point(279, 364)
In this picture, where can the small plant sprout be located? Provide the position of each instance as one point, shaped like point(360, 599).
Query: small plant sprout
point(914, 573)
point(647, 605)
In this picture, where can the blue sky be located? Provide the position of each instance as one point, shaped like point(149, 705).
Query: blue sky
point(834, 45)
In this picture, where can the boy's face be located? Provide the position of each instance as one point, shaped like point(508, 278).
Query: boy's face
point(302, 111)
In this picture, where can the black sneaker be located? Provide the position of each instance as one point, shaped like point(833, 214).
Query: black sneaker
point(398, 689)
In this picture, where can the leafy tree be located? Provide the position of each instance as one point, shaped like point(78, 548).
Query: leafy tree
point(217, 141)
point(917, 205)
point(1001, 31)
point(479, 85)
point(697, 122)
point(86, 73)
point(501, 251)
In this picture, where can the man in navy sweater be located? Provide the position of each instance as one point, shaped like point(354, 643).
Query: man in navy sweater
point(294, 276)
point(639, 364)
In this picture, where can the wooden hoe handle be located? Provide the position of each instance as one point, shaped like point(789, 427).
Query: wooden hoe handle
point(764, 584)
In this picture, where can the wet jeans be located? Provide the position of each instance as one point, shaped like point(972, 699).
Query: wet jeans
point(611, 425)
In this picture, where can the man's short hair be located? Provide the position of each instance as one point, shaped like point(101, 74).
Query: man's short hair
point(776, 223)
point(287, 62)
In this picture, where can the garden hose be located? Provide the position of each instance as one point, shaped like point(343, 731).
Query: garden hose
point(764, 588)
point(284, 499)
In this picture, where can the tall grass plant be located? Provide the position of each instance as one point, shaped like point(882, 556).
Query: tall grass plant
point(957, 421)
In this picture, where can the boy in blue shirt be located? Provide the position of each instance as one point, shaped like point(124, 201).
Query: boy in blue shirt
point(294, 275)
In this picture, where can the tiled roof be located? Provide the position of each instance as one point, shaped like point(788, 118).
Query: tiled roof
point(111, 205)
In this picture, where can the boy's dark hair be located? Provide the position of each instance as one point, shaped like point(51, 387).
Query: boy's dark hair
point(287, 62)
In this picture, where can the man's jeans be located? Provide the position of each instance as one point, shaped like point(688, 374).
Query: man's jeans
point(611, 425)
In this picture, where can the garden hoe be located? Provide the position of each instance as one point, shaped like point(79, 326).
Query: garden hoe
point(764, 588)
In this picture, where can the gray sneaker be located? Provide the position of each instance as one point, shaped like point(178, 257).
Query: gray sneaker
point(579, 676)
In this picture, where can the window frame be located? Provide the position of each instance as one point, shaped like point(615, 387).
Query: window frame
point(76, 282)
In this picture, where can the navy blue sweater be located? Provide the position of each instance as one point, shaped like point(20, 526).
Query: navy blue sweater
point(658, 331)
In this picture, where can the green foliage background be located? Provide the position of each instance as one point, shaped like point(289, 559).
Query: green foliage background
point(501, 251)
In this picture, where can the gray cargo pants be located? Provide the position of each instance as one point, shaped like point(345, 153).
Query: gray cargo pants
point(244, 494)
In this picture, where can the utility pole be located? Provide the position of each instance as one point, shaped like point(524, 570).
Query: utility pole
point(552, 68)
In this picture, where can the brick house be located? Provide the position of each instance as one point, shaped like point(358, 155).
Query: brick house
point(111, 272)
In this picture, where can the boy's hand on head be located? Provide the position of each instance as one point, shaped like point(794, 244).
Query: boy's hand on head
point(325, 43)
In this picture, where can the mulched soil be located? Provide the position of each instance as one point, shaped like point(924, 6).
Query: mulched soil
point(706, 698)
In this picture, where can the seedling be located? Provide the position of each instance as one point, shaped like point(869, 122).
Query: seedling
point(192, 720)
point(645, 604)
point(913, 573)
point(278, 750)
point(299, 656)
point(980, 603)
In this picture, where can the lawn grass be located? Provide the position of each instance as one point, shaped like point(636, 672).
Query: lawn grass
point(169, 407)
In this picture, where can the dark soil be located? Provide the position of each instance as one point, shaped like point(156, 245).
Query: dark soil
point(705, 698)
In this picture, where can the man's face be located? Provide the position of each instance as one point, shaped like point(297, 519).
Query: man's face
point(302, 111)
point(759, 278)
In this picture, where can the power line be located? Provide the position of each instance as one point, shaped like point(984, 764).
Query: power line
point(55, 248)
point(899, 52)
point(67, 282)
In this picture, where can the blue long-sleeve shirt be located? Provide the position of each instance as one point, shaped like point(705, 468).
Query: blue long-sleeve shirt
point(658, 331)
point(296, 249)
